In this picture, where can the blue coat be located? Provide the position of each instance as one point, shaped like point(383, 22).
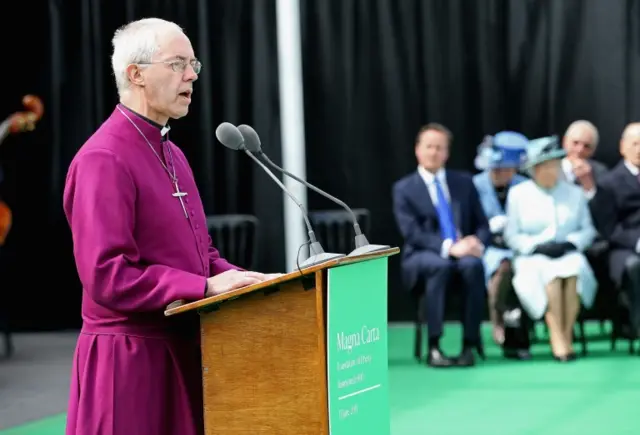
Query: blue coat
point(417, 218)
point(493, 256)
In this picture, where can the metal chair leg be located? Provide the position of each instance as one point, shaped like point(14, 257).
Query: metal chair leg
point(417, 348)
point(417, 352)
point(583, 338)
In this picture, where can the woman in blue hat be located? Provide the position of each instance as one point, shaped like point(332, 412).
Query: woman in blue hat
point(549, 227)
point(499, 157)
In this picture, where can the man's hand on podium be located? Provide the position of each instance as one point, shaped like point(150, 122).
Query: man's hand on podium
point(233, 280)
point(272, 276)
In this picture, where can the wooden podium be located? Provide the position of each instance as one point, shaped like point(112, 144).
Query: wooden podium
point(264, 353)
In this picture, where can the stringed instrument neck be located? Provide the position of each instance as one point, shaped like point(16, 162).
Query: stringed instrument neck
point(5, 128)
point(17, 123)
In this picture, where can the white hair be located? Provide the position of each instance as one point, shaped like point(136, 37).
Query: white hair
point(585, 124)
point(137, 42)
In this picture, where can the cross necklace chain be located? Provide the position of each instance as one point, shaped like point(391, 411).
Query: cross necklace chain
point(172, 174)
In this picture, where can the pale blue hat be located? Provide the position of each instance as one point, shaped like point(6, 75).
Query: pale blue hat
point(542, 150)
point(507, 149)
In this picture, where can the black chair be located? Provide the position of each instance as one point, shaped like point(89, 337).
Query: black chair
point(5, 323)
point(419, 298)
point(621, 320)
point(609, 304)
point(334, 228)
point(236, 237)
point(5, 330)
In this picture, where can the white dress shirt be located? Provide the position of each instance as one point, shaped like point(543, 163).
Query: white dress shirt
point(567, 170)
point(632, 168)
point(428, 178)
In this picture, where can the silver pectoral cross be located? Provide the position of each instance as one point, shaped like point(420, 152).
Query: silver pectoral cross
point(178, 194)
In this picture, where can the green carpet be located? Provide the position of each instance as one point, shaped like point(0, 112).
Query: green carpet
point(596, 395)
point(47, 426)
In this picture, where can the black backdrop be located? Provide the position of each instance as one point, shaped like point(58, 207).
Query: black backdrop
point(374, 71)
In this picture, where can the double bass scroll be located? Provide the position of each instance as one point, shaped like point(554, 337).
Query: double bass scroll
point(16, 123)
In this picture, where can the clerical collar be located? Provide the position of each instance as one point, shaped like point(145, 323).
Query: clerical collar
point(163, 129)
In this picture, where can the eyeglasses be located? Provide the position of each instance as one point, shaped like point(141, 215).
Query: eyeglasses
point(178, 65)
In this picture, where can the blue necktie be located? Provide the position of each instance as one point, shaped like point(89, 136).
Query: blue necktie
point(447, 227)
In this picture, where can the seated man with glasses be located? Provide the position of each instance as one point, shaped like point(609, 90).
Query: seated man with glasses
point(578, 167)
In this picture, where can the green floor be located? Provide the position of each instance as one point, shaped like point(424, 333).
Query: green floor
point(593, 396)
point(47, 426)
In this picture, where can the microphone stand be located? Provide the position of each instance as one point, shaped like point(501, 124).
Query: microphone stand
point(317, 254)
point(362, 244)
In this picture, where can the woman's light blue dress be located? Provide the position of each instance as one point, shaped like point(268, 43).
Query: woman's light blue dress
point(535, 216)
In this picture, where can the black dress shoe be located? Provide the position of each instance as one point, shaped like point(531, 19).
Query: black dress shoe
point(435, 358)
point(466, 358)
point(519, 354)
point(565, 358)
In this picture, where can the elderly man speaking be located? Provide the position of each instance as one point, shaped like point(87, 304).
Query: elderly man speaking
point(140, 242)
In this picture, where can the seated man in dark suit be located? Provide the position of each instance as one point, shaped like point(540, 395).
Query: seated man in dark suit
point(580, 142)
point(579, 167)
point(445, 230)
point(616, 213)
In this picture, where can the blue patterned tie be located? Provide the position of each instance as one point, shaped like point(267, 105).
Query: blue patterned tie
point(447, 227)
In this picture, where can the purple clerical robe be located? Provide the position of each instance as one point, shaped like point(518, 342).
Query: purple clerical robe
point(136, 371)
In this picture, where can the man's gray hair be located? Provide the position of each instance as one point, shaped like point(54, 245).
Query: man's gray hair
point(581, 123)
point(137, 42)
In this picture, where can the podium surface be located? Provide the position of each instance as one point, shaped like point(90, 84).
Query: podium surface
point(304, 353)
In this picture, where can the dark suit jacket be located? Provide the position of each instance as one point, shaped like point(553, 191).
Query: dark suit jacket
point(600, 246)
point(598, 169)
point(417, 218)
point(616, 208)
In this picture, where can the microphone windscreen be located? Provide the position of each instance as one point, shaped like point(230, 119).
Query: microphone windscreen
point(251, 138)
point(229, 136)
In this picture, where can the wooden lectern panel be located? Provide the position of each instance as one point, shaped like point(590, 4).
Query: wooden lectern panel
point(264, 366)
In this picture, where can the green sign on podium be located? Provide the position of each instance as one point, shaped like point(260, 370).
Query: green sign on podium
point(357, 352)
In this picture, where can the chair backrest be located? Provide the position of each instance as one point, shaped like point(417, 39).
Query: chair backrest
point(334, 228)
point(236, 237)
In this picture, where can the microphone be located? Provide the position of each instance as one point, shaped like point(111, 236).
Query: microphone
point(229, 136)
point(253, 145)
